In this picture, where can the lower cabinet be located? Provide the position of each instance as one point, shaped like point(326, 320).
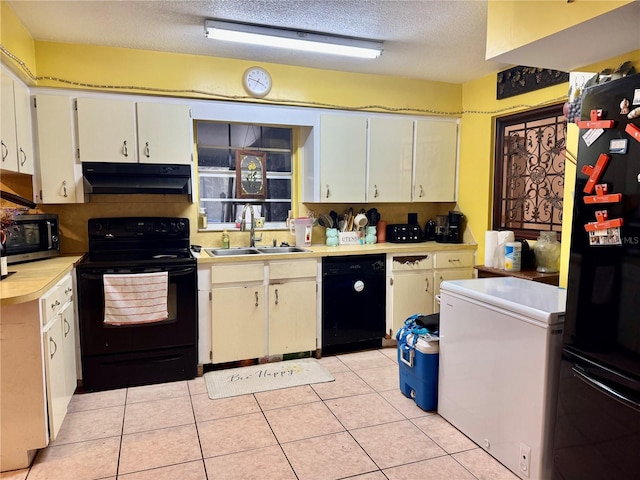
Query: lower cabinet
point(238, 322)
point(59, 347)
point(415, 278)
point(410, 287)
point(264, 308)
point(38, 358)
point(292, 306)
point(455, 265)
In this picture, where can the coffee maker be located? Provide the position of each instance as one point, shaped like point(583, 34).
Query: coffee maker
point(449, 228)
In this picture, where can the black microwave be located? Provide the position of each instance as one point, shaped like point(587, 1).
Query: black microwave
point(32, 237)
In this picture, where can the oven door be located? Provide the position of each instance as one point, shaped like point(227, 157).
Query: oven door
point(179, 330)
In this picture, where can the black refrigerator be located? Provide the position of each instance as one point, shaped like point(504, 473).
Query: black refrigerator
point(597, 432)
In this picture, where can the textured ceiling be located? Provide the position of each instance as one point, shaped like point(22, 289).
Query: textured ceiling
point(425, 39)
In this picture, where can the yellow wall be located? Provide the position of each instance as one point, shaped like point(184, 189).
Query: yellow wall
point(16, 39)
point(514, 23)
point(220, 78)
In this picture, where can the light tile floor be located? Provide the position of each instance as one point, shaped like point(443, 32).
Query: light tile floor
point(359, 427)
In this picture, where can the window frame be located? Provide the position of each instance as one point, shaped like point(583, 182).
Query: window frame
point(231, 174)
point(499, 164)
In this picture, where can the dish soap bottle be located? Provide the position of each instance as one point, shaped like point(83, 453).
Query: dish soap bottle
point(225, 239)
point(202, 218)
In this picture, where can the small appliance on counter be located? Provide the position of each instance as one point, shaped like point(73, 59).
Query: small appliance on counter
point(449, 228)
point(430, 230)
point(32, 237)
point(404, 233)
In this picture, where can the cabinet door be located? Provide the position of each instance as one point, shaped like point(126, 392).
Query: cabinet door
point(69, 349)
point(292, 317)
point(57, 178)
point(435, 161)
point(55, 378)
point(453, 274)
point(237, 331)
point(343, 158)
point(412, 293)
point(164, 133)
point(24, 133)
point(8, 125)
point(390, 159)
point(106, 130)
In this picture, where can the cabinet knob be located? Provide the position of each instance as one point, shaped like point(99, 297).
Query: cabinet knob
point(125, 149)
point(67, 327)
point(375, 191)
point(147, 151)
point(5, 151)
point(64, 189)
point(421, 191)
point(24, 157)
point(327, 194)
point(276, 296)
point(55, 304)
point(256, 299)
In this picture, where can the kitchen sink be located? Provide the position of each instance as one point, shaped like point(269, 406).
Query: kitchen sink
point(282, 250)
point(217, 252)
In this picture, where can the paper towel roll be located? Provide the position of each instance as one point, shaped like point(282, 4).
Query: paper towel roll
point(505, 236)
point(490, 245)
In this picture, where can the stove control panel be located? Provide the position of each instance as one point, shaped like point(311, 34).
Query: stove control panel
point(121, 227)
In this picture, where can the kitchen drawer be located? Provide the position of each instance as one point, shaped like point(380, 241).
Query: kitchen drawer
point(293, 269)
point(66, 285)
point(53, 301)
point(454, 259)
point(411, 263)
point(237, 273)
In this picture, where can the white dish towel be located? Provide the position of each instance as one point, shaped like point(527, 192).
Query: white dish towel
point(135, 298)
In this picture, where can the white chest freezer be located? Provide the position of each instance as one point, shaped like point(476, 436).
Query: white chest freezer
point(500, 346)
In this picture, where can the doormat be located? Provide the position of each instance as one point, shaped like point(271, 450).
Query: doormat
point(264, 377)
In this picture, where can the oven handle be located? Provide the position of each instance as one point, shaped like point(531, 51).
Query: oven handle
point(98, 274)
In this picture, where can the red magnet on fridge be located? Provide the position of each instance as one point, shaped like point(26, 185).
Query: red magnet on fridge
point(603, 222)
point(595, 172)
point(602, 196)
point(596, 121)
point(633, 130)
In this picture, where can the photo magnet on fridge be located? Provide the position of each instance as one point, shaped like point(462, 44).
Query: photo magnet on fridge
point(618, 145)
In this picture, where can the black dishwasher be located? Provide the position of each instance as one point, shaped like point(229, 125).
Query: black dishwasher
point(353, 303)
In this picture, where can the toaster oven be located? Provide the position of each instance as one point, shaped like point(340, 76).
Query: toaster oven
point(404, 233)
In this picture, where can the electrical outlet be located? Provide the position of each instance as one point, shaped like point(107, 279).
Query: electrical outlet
point(525, 459)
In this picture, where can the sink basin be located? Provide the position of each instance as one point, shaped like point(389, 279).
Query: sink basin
point(282, 250)
point(217, 252)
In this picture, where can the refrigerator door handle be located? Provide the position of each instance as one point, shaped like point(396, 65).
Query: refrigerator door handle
point(607, 390)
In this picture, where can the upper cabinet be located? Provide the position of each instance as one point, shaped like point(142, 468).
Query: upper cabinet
point(390, 159)
point(164, 133)
point(107, 132)
point(383, 159)
point(15, 129)
point(59, 178)
point(343, 158)
point(436, 159)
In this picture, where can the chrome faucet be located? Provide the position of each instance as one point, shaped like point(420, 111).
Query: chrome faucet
point(243, 224)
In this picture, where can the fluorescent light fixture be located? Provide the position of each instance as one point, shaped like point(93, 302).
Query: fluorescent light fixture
point(291, 39)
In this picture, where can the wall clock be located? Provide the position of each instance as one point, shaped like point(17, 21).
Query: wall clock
point(257, 82)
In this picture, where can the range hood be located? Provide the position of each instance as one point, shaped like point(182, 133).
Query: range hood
point(136, 178)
